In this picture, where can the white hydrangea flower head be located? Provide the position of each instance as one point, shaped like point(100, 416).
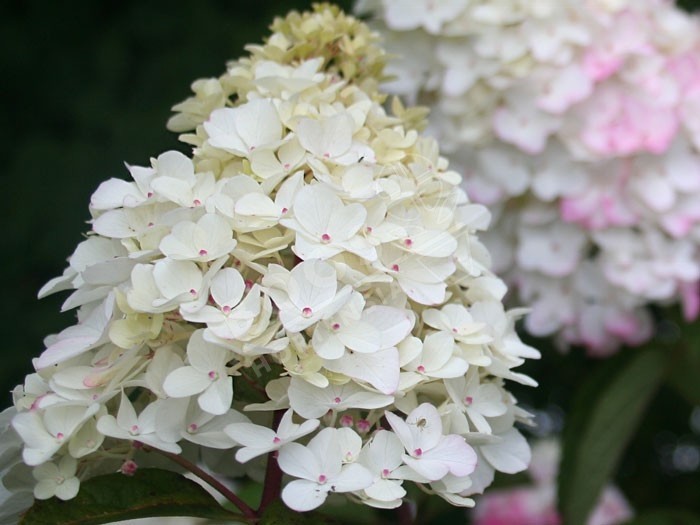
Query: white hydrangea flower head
point(577, 124)
point(308, 286)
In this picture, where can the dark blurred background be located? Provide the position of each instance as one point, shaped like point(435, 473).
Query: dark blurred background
point(88, 85)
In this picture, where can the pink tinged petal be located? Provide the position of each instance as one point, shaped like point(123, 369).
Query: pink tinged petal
point(394, 324)
point(68, 489)
point(401, 430)
point(380, 369)
point(431, 243)
point(249, 434)
point(227, 288)
point(437, 350)
point(302, 495)
point(204, 356)
point(326, 344)
point(185, 382)
point(313, 208)
point(351, 478)
point(218, 397)
point(423, 293)
point(327, 138)
point(221, 128)
point(455, 367)
point(214, 236)
point(298, 461)
point(425, 426)
point(108, 426)
point(384, 451)
point(455, 453)
point(126, 416)
point(45, 489)
point(312, 284)
point(115, 193)
point(361, 337)
point(174, 278)
point(39, 444)
point(346, 221)
point(385, 490)
point(231, 328)
point(429, 469)
point(257, 205)
point(258, 123)
point(510, 455)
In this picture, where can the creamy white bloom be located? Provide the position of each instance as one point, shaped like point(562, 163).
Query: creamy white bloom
point(430, 453)
point(57, 480)
point(321, 469)
point(205, 375)
point(258, 440)
point(312, 255)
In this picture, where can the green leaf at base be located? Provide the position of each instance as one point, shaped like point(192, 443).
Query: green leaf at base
point(605, 414)
point(113, 497)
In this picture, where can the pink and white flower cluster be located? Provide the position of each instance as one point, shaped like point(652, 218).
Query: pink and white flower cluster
point(536, 504)
point(578, 124)
point(314, 250)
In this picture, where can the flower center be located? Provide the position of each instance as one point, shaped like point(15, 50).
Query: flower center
point(213, 375)
point(468, 400)
point(60, 435)
point(421, 369)
point(192, 428)
point(385, 473)
point(203, 252)
point(337, 400)
point(363, 426)
point(276, 440)
point(418, 452)
point(395, 267)
point(306, 312)
point(325, 238)
point(335, 326)
point(322, 478)
point(408, 243)
point(134, 430)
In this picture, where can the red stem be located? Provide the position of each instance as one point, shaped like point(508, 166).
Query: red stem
point(273, 473)
point(404, 514)
point(210, 480)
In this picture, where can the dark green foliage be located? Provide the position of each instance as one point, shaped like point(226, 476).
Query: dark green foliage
point(114, 497)
point(604, 416)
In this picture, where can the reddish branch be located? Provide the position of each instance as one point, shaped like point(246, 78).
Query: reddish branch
point(273, 473)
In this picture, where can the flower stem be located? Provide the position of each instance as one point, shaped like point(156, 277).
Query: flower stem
point(209, 479)
point(404, 514)
point(273, 473)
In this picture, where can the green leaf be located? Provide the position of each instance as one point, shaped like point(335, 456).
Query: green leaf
point(113, 497)
point(665, 517)
point(605, 413)
point(250, 385)
point(277, 513)
point(685, 371)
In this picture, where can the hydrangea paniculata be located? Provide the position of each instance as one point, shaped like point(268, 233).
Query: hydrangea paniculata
point(313, 258)
point(576, 122)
